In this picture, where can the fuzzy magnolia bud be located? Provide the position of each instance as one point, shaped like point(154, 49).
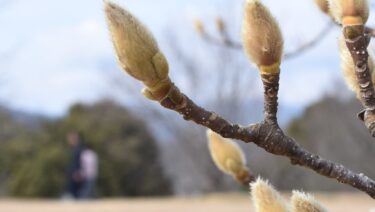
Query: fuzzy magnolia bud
point(348, 67)
point(227, 155)
point(266, 198)
point(350, 12)
point(199, 27)
point(323, 5)
point(262, 38)
point(137, 51)
point(302, 202)
point(220, 25)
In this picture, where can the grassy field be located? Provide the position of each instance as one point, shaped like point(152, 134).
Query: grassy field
point(341, 202)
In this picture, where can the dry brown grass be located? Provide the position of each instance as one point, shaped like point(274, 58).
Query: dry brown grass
point(340, 202)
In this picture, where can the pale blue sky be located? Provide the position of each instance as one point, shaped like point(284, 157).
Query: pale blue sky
point(52, 52)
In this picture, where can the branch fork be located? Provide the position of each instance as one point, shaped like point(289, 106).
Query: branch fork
point(265, 52)
point(268, 136)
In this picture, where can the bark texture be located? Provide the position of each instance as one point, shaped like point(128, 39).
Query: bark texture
point(357, 40)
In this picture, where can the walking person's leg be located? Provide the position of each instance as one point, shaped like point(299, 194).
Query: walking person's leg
point(88, 189)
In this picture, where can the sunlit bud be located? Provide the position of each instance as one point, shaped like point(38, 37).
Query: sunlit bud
point(226, 154)
point(137, 51)
point(350, 12)
point(261, 37)
point(220, 25)
point(266, 198)
point(199, 27)
point(302, 202)
point(348, 67)
point(323, 5)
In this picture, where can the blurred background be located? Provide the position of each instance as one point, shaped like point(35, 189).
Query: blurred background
point(59, 75)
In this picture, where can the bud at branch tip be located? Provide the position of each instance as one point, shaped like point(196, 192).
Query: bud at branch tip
point(261, 36)
point(350, 12)
point(137, 51)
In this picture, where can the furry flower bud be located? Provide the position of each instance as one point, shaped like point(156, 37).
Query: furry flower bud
point(350, 12)
point(226, 154)
point(199, 27)
point(261, 37)
point(302, 202)
point(137, 51)
point(266, 198)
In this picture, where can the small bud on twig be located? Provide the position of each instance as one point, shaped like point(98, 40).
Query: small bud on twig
point(350, 12)
point(302, 202)
point(323, 5)
point(262, 37)
point(137, 51)
point(266, 198)
point(199, 27)
point(228, 157)
point(220, 25)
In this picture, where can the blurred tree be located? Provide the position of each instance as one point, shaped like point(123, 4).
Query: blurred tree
point(128, 156)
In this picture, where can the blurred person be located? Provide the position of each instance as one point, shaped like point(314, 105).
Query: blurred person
point(73, 175)
point(89, 172)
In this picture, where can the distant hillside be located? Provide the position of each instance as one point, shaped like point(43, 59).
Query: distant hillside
point(27, 119)
point(21, 117)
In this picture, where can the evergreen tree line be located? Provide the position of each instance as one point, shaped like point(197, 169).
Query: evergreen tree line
point(34, 153)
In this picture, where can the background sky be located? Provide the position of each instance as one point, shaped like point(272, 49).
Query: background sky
point(55, 53)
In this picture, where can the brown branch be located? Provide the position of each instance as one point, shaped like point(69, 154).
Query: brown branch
point(357, 41)
point(268, 136)
point(271, 89)
point(356, 45)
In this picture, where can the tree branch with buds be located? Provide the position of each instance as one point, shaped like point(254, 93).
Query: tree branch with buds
point(357, 65)
point(139, 55)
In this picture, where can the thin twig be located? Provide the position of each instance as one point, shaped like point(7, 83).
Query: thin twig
point(308, 45)
point(228, 42)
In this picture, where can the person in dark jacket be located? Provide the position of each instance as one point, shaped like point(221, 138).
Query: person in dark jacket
point(73, 175)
